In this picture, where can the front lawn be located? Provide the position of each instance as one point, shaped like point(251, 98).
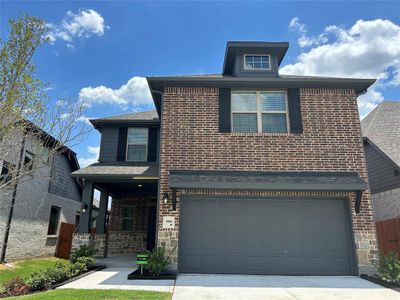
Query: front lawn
point(24, 268)
point(61, 294)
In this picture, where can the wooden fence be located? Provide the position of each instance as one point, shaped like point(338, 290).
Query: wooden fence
point(388, 233)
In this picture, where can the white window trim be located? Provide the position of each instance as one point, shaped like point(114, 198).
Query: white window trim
point(127, 144)
point(132, 218)
point(258, 69)
point(259, 112)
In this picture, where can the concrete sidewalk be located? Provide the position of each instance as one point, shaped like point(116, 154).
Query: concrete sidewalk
point(233, 287)
point(116, 278)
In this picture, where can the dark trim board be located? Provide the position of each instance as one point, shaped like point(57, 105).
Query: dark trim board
point(350, 250)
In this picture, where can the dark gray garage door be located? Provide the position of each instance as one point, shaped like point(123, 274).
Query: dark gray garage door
point(265, 236)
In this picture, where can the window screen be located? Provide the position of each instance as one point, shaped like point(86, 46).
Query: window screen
point(137, 144)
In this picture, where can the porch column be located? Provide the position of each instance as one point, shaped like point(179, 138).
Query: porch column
point(85, 221)
point(101, 219)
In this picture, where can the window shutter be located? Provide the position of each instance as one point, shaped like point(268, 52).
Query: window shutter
point(224, 110)
point(122, 136)
point(296, 125)
point(152, 146)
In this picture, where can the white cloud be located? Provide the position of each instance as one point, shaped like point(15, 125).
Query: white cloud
point(369, 49)
point(304, 40)
point(91, 157)
point(132, 94)
point(83, 24)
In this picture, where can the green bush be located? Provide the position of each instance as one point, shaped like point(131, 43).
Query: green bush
point(158, 262)
point(37, 281)
point(82, 251)
point(88, 262)
point(15, 286)
point(389, 267)
point(59, 273)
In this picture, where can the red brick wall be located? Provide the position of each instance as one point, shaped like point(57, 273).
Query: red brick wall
point(331, 141)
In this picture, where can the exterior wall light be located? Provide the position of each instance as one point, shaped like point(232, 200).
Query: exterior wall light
point(166, 197)
point(170, 196)
point(84, 208)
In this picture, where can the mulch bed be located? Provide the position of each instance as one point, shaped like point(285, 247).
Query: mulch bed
point(135, 275)
point(387, 284)
point(88, 272)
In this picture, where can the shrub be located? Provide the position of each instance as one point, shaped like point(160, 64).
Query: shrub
point(82, 251)
point(88, 262)
point(57, 274)
point(389, 267)
point(15, 286)
point(37, 281)
point(158, 262)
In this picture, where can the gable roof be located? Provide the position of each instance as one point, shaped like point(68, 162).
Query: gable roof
point(382, 127)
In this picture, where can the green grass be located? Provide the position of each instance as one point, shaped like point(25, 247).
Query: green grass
point(24, 268)
point(61, 294)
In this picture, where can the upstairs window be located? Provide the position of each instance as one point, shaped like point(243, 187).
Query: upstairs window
point(28, 160)
point(257, 62)
point(5, 171)
point(254, 112)
point(137, 144)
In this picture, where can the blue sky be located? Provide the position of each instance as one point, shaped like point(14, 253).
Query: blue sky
point(100, 51)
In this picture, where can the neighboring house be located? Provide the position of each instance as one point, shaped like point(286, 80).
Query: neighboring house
point(244, 172)
point(45, 195)
point(381, 131)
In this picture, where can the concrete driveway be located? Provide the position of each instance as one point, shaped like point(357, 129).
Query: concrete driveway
point(231, 287)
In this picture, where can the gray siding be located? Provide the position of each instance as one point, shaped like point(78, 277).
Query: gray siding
point(381, 173)
point(61, 182)
point(109, 144)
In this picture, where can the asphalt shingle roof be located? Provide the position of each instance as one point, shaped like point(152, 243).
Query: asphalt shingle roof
point(382, 127)
point(144, 115)
point(118, 170)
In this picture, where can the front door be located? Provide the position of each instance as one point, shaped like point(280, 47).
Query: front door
point(151, 228)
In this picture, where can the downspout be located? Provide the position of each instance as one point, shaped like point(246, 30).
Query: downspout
point(14, 195)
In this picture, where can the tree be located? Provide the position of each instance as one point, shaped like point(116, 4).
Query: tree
point(27, 117)
point(25, 110)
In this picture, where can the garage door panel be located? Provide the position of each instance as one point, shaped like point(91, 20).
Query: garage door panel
point(265, 236)
point(273, 246)
point(254, 225)
point(233, 207)
point(232, 224)
point(192, 224)
point(213, 224)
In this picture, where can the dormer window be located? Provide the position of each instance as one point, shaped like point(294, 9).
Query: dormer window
point(257, 62)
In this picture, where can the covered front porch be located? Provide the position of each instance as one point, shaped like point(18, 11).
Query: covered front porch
point(130, 192)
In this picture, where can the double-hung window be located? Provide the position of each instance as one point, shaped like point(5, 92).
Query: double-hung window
point(254, 112)
point(137, 144)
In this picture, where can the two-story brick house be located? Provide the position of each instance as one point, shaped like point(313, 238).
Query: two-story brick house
point(250, 171)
